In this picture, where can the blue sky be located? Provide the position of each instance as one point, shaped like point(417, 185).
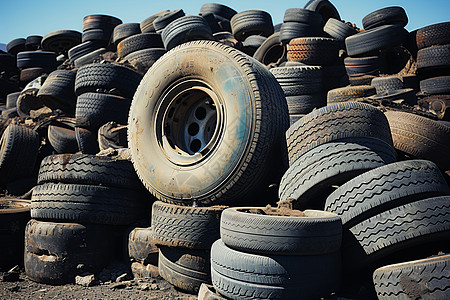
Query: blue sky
point(39, 17)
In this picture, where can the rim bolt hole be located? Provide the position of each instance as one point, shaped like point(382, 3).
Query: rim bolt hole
point(200, 113)
point(195, 145)
point(193, 129)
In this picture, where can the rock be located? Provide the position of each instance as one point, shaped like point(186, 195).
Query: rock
point(122, 277)
point(154, 287)
point(144, 286)
point(85, 279)
point(120, 285)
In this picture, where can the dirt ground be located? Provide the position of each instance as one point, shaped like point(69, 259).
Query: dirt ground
point(134, 289)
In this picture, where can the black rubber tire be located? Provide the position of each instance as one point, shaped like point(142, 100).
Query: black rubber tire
point(268, 117)
point(15, 46)
point(217, 9)
point(31, 59)
point(336, 122)
point(185, 269)
point(94, 110)
point(89, 58)
point(436, 34)
point(310, 178)
point(100, 21)
point(142, 60)
point(385, 188)
point(112, 135)
point(33, 42)
point(251, 22)
point(350, 93)
point(14, 215)
point(389, 83)
point(187, 227)
point(401, 229)
point(87, 204)
point(434, 57)
point(304, 104)
point(375, 39)
point(92, 77)
point(212, 22)
point(147, 24)
point(98, 35)
point(293, 30)
point(420, 137)
point(125, 30)
point(272, 51)
point(299, 80)
point(314, 51)
point(165, 19)
point(62, 139)
point(60, 41)
point(334, 76)
point(185, 29)
point(362, 66)
point(11, 100)
point(323, 7)
point(436, 85)
point(254, 41)
point(18, 152)
point(54, 252)
point(240, 275)
point(407, 96)
point(361, 80)
point(87, 140)
point(301, 15)
point(141, 246)
point(89, 170)
point(7, 62)
point(420, 279)
point(249, 229)
point(138, 42)
point(83, 49)
point(29, 74)
point(338, 29)
point(57, 92)
point(393, 15)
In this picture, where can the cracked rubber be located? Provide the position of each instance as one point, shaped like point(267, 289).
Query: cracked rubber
point(350, 93)
point(188, 227)
point(318, 232)
point(139, 42)
point(141, 246)
point(314, 50)
point(385, 188)
point(436, 34)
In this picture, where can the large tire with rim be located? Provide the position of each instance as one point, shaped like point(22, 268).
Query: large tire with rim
point(221, 143)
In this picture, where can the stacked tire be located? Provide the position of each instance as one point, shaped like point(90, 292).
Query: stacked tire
point(77, 208)
point(143, 253)
point(269, 253)
point(299, 22)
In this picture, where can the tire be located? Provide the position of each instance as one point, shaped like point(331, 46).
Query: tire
point(112, 135)
point(362, 66)
point(434, 57)
point(147, 24)
point(389, 83)
point(11, 100)
point(336, 122)
point(310, 178)
point(57, 92)
point(187, 227)
point(60, 41)
point(393, 15)
point(100, 21)
point(185, 269)
point(407, 96)
point(9, 113)
point(139, 42)
point(205, 187)
point(83, 49)
point(7, 62)
point(185, 29)
point(305, 16)
point(272, 51)
point(165, 19)
point(89, 58)
point(255, 230)
point(141, 246)
point(125, 30)
point(324, 8)
point(86, 204)
point(54, 252)
point(385, 188)
point(338, 29)
point(14, 215)
point(402, 229)
point(15, 46)
point(142, 60)
point(436, 85)
point(304, 104)
point(19, 149)
point(375, 39)
point(87, 140)
point(427, 279)
point(251, 22)
point(98, 35)
point(293, 30)
point(350, 93)
point(32, 59)
point(240, 275)
point(29, 74)
point(217, 9)
point(420, 137)
point(361, 80)
point(33, 42)
point(436, 34)
point(92, 77)
point(299, 80)
point(89, 170)
point(62, 139)
point(334, 76)
point(314, 51)
point(94, 110)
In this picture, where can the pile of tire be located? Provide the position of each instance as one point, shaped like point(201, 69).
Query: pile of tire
point(78, 208)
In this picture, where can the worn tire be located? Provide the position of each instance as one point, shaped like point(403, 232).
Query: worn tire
point(112, 135)
point(89, 58)
point(141, 246)
point(87, 140)
point(299, 80)
point(272, 51)
point(125, 30)
point(293, 30)
point(139, 42)
point(314, 51)
point(436, 85)
point(57, 92)
point(142, 60)
point(32, 59)
point(436, 34)
point(393, 15)
point(251, 22)
point(304, 104)
point(350, 93)
point(147, 24)
point(338, 29)
point(301, 15)
point(362, 66)
point(185, 29)
point(165, 19)
point(434, 57)
point(60, 41)
point(62, 139)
